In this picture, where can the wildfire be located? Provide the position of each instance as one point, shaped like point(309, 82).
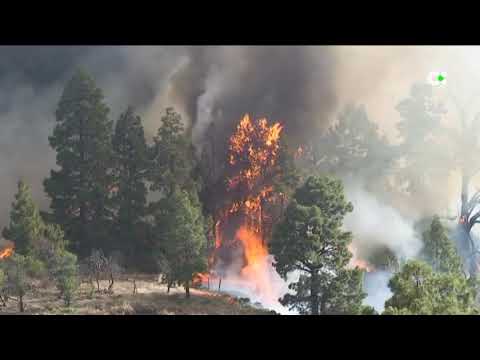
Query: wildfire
point(253, 152)
point(7, 252)
point(200, 278)
point(255, 147)
point(256, 268)
point(357, 262)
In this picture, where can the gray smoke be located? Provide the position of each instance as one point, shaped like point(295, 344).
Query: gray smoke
point(294, 85)
point(377, 225)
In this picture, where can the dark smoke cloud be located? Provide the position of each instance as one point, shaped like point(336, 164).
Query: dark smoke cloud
point(293, 85)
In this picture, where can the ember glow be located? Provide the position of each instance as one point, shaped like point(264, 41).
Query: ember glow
point(7, 252)
point(244, 224)
point(357, 262)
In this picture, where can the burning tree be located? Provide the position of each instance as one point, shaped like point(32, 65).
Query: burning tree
point(243, 225)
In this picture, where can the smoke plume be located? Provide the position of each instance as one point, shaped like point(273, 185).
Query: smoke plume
point(294, 85)
point(375, 225)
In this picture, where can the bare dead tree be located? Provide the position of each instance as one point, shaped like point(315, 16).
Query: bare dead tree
point(134, 287)
point(101, 267)
point(467, 146)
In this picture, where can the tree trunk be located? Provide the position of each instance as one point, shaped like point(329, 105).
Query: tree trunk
point(98, 284)
point(464, 195)
point(110, 286)
point(219, 282)
point(20, 304)
point(134, 287)
point(323, 306)
point(314, 295)
point(468, 244)
point(187, 290)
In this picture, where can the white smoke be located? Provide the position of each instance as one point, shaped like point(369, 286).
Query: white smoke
point(375, 225)
point(253, 289)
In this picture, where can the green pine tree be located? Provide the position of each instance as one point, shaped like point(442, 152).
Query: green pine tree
point(173, 156)
point(19, 280)
point(80, 189)
point(439, 251)
point(286, 177)
point(353, 146)
point(418, 290)
point(311, 240)
point(130, 170)
point(26, 225)
point(64, 269)
point(418, 128)
point(182, 232)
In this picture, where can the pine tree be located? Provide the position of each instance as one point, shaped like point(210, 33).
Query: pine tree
point(439, 250)
point(182, 233)
point(418, 290)
point(18, 280)
point(419, 125)
point(26, 225)
point(353, 147)
point(130, 170)
point(80, 189)
point(310, 240)
point(287, 177)
point(173, 156)
point(64, 269)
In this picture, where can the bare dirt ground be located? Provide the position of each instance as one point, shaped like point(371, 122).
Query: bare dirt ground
point(151, 299)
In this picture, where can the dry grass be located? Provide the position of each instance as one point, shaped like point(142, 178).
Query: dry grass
point(151, 298)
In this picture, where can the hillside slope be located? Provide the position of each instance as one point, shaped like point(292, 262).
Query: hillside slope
point(151, 298)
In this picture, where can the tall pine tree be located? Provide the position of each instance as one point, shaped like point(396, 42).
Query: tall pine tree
point(439, 250)
point(173, 156)
point(80, 189)
point(26, 225)
point(183, 243)
point(130, 169)
point(311, 241)
point(418, 290)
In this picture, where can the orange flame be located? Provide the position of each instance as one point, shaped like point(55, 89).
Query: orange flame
point(253, 151)
point(356, 262)
point(255, 270)
point(200, 278)
point(7, 252)
point(255, 145)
